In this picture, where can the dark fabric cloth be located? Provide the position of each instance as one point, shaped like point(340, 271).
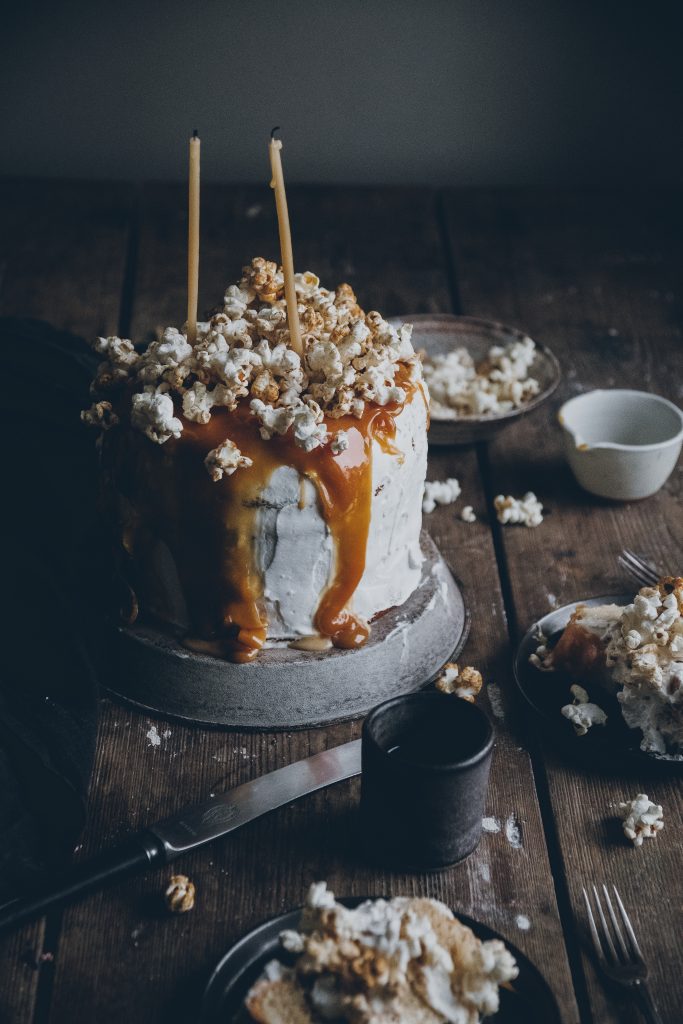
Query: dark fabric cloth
point(51, 628)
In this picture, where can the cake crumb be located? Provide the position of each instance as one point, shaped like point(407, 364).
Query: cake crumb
point(154, 737)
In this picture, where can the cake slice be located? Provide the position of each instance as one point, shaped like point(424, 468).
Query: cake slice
point(635, 651)
point(277, 998)
point(399, 961)
point(581, 650)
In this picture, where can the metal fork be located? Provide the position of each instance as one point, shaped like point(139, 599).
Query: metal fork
point(627, 967)
point(637, 568)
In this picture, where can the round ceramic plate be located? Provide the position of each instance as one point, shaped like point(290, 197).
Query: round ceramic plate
point(547, 692)
point(438, 334)
point(530, 1001)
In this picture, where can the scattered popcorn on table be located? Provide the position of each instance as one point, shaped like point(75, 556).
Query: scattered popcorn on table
point(500, 383)
point(465, 684)
point(180, 894)
point(439, 492)
point(526, 511)
point(467, 515)
point(642, 820)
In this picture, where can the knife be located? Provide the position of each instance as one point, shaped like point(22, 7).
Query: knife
point(192, 827)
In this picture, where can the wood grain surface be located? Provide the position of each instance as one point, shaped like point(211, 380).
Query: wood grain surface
point(596, 277)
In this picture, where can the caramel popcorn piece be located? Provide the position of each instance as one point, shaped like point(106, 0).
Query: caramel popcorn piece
point(180, 894)
point(465, 683)
point(100, 414)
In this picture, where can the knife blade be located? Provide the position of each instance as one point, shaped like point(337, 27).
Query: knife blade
point(192, 827)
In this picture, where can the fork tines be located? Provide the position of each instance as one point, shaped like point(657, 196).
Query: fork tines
point(636, 567)
point(630, 954)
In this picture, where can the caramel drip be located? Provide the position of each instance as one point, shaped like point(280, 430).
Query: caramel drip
point(210, 527)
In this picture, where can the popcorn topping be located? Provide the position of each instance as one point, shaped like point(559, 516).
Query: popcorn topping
point(439, 492)
point(243, 352)
point(100, 414)
point(153, 415)
point(526, 511)
point(340, 442)
point(642, 819)
point(388, 960)
point(225, 460)
point(468, 515)
point(499, 384)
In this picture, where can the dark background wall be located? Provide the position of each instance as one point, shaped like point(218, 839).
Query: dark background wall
point(462, 92)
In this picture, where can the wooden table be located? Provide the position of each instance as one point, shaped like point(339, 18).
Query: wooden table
point(598, 276)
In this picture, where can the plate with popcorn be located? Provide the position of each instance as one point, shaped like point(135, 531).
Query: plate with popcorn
point(482, 375)
point(407, 959)
point(606, 675)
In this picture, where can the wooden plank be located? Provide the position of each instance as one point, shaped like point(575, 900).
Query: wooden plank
point(119, 953)
point(62, 254)
point(597, 276)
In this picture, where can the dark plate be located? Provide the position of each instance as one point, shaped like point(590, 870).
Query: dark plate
point(441, 333)
point(532, 1000)
point(611, 745)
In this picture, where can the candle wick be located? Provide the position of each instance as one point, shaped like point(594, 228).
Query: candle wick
point(273, 130)
point(195, 133)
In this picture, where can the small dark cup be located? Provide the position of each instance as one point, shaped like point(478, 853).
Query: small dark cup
point(426, 761)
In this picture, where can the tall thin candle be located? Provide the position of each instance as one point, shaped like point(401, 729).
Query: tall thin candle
point(193, 240)
point(278, 183)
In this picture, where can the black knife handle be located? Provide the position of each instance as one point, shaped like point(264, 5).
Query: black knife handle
point(142, 851)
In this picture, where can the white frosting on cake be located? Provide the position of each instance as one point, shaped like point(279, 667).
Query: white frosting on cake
point(282, 516)
point(294, 548)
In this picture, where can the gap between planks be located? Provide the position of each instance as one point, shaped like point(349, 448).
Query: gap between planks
point(562, 896)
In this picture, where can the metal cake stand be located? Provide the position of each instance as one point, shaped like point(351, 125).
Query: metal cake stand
point(291, 689)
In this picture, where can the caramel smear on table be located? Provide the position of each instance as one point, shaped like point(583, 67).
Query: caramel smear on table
point(210, 527)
